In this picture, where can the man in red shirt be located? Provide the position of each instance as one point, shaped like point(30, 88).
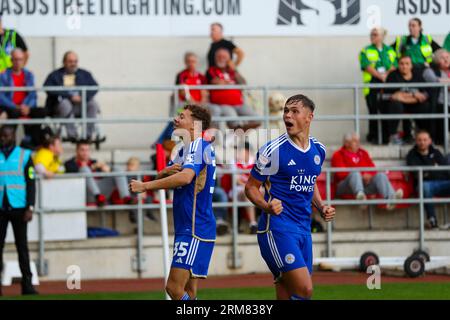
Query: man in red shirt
point(191, 77)
point(228, 103)
point(360, 184)
point(21, 104)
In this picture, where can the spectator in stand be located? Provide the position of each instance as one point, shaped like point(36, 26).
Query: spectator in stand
point(439, 73)
point(67, 103)
point(98, 189)
point(229, 103)
point(220, 196)
point(377, 60)
point(190, 76)
point(47, 160)
point(219, 42)
point(447, 42)
point(9, 40)
point(418, 46)
point(21, 104)
point(436, 183)
point(360, 184)
point(405, 100)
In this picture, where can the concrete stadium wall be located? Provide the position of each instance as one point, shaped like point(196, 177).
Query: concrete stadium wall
point(138, 61)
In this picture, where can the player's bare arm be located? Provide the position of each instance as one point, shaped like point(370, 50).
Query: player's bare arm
point(169, 171)
point(252, 192)
point(174, 181)
point(327, 212)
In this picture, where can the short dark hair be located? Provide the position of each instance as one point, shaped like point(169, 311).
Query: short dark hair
point(304, 100)
point(201, 114)
point(217, 24)
point(404, 56)
point(83, 142)
point(422, 131)
point(49, 140)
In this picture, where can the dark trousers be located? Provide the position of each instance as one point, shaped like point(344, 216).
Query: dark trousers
point(373, 106)
point(394, 107)
point(32, 131)
point(437, 130)
point(16, 217)
point(437, 188)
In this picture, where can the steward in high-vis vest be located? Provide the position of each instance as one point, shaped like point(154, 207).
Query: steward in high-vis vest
point(9, 40)
point(447, 42)
point(376, 61)
point(17, 197)
point(418, 46)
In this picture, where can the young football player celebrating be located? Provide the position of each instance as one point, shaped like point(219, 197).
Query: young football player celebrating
point(192, 175)
point(288, 168)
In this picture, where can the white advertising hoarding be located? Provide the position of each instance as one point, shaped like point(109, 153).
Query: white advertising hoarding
point(240, 17)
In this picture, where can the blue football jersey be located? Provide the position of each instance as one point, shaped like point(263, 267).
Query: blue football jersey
point(289, 174)
point(192, 204)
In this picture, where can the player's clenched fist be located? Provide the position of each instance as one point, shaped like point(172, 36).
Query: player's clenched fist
point(137, 186)
point(275, 207)
point(328, 213)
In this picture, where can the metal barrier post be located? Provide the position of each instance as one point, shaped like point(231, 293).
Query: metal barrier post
point(165, 236)
point(421, 206)
point(140, 234)
point(40, 210)
point(84, 113)
point(235, 263)
point(329, 224)
point(356, 97)
point(446, 118)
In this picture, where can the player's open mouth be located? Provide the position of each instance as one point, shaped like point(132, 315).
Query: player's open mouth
point(288, 124)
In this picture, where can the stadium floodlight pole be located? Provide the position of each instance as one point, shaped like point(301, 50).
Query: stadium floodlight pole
point(83, 113)
point(165, 236)
point(446, 118)
point(421, 211)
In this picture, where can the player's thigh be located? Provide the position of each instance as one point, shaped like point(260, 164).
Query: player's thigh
point(298, 282)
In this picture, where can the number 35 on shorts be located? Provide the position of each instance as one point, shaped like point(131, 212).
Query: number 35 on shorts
point(180, 249)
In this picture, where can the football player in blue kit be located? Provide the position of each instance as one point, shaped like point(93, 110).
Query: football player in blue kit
point(192, 174)
point(288, 168)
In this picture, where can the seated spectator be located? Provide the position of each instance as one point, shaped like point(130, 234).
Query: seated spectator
point(47, 160)
point(67, 103)
point(360, 184)
point(435, 183)
point(228, 103)
point(134, 165)
point(405, 100)
point(439, 73)
point(21, 104)
point(190, 76)
point(98, 189)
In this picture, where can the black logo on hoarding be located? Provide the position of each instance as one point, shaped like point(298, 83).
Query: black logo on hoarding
point(346, 12)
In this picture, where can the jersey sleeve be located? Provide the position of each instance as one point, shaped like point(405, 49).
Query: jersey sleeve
point(363, 61)
point(259, 170)
point(194, 158)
